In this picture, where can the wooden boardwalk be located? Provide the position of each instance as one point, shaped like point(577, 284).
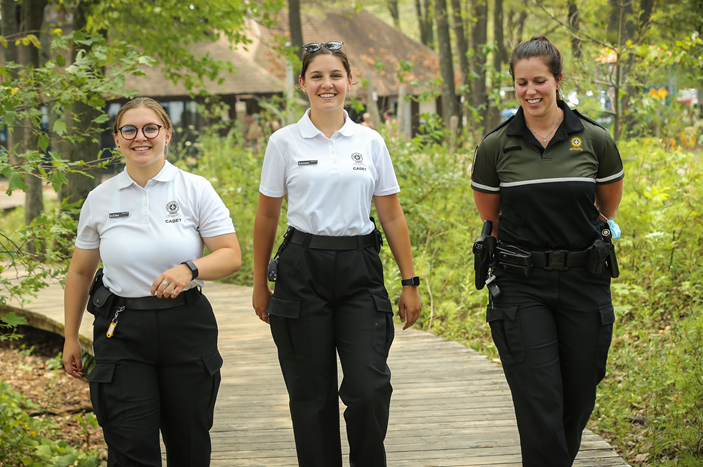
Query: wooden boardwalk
point(451, 406)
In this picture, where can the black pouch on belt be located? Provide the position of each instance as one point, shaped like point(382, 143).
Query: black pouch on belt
point(598, 253)
point(99, 296)
point(377, 236)
point(513, 259)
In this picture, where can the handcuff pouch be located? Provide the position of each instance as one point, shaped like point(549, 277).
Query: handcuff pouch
point(377, 236)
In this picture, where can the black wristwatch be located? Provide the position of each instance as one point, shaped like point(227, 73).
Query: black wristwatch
point(412, 281)
point(193, 268)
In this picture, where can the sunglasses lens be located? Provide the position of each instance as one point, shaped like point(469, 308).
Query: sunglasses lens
point(333, 45)
point(312, 47)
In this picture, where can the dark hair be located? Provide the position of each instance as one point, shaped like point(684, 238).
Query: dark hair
point(538, 47)
point(309, 56)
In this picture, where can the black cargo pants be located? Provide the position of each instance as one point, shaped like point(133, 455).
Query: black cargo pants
point(553, 332)
point(159, 371)
point(327, 301)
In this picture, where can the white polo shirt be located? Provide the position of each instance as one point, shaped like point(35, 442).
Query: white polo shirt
point(330, 181)
point(142, 232)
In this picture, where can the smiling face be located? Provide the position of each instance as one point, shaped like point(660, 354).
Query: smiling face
point(142, 152)
point(326, 83)
point(536, 87)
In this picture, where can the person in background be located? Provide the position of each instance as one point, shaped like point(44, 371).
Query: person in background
point(549, 179)
point(330, 296)
point(157, 366)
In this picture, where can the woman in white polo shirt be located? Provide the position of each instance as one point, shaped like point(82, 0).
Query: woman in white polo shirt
point(330, 296)
point(155, 335)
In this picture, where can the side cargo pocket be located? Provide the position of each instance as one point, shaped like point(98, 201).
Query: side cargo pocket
point(105, 395)
point(605, 335)
point(213, 363)
point(507, 333)
point(288, 329)
point(383, 330)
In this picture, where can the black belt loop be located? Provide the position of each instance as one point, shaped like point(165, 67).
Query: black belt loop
point(193, 296)
point(307, 238)
point(360, 242)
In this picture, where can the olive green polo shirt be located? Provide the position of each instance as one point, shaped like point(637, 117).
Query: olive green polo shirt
point(547, 194)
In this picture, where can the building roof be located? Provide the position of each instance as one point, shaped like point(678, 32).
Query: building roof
point(368, 41)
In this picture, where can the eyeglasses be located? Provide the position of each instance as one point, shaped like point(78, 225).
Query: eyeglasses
point(315, 46)
point(151, 131)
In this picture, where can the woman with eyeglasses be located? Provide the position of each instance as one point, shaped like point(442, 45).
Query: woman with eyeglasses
point(330, 297)
point(157, 367)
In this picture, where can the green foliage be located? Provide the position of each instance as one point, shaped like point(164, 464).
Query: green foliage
point(25, 441)
point(10, 322)
point(27, 273)
point(651, 402)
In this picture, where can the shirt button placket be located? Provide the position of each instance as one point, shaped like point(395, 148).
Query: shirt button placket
point(145, 207)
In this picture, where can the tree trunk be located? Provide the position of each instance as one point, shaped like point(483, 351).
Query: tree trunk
point(427, 14)
point(296, 28)
point(574, 23)
point(32, 19)
point(450, 106)
point(77, 122)
point(462, 49)
point(479, 36)
point(499, 56)
point(421, 21)
point(395, 13)
point(10, 29)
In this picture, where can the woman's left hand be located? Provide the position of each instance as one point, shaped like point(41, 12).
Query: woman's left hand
point(170, 283)
point(409, 306)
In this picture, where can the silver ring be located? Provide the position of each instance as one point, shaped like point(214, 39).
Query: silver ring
point(164, 282)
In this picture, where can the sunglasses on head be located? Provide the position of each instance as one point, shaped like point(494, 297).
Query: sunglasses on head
point(315, 46)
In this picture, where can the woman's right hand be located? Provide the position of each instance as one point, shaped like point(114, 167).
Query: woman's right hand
point(72, 358)
point(260, 300)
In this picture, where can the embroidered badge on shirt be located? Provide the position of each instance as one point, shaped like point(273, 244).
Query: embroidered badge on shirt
point(172, 216)
point(576, 144)
point(307, 162)
point(358, 161)
point(114, 215)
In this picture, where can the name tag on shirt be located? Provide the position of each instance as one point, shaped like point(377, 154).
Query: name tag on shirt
point(307, 162)
point(113, 215)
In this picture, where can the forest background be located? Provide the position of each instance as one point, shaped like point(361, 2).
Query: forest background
point(625, 63)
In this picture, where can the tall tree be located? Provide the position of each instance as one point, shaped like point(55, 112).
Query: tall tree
point(450, 106)
point(32, 18)
point(296, 27)
point(395, 12)
point(462, 49)
point(77, 122)
point(479, 37)
point(574, 24)
point(10, 29)
point(425, 23)
point(499, 57)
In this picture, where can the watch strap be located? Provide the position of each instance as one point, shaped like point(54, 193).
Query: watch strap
point(193, 268)
point(415, 281)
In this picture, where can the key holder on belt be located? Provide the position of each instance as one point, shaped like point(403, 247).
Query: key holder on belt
point(273, 262)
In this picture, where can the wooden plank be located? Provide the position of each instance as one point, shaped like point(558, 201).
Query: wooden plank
point(451, 406)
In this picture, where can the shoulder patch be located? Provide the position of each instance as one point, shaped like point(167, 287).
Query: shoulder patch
point(587, 119)
point(501, 125)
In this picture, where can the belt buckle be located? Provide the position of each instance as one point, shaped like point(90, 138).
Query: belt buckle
point(556, 260)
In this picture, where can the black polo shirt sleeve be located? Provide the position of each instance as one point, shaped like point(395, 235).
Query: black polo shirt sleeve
point(610, 168)
point(484, 172)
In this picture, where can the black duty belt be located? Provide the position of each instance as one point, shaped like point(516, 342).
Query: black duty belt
point(324, 242)
point(156, 303)
point(559, 260)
